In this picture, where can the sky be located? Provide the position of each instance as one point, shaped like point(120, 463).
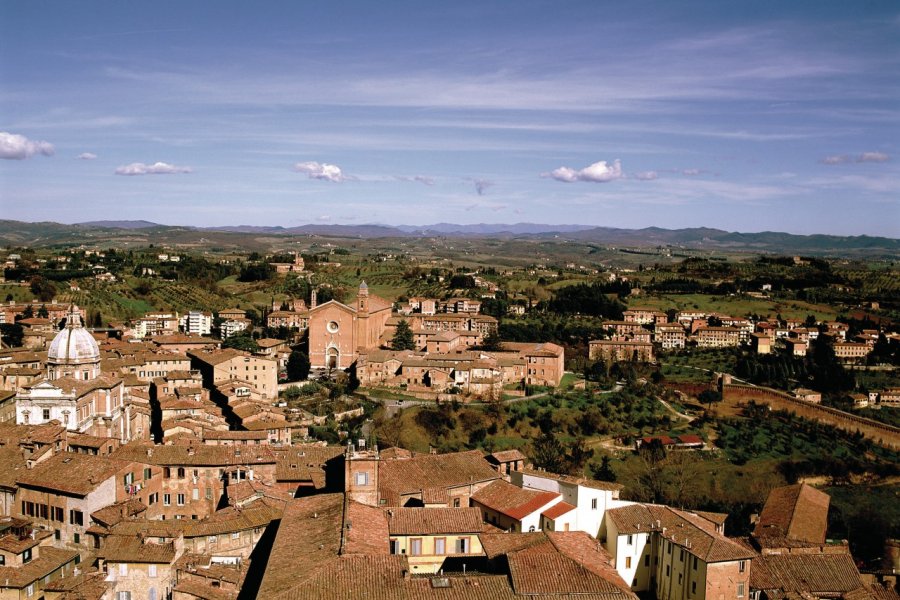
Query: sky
point(744, 116)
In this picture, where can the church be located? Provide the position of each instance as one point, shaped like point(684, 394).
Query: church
point(74, 392)
point(337, 331)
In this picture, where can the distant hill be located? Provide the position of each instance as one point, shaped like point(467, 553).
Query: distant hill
point(491, 228)
point(120, 224)
point(252, 237)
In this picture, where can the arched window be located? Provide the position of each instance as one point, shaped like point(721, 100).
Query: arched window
point(180, 472)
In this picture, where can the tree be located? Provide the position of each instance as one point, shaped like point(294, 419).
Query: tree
point(403, 337)
point(297, 366)
point(241, 341)
point(42, 312)
point(709, 396)
point(604, 472)
point(492, 341)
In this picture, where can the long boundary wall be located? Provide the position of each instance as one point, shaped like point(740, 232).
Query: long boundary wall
point(880, 433)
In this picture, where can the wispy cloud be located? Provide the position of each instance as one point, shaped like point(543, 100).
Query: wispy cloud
point(646, 175)
point(865, 157)
point(157, 168)
point(324, 171)
point(876, 157)
point(417, 179)
point(18, 147)
point(87, 156)
point(599, 172)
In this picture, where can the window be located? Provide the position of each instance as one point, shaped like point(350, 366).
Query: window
point(26, 556)
point(123, 569)
point(147, 473)
point(742, 566)
point(695, 563)
point(629, 540)
point(462, 545)
point(395, 546)
point(152, 498)
point(667, 570)
point(2, 560)
point(456, 503)
point(681, 556)
point(180, 472)
point(668, 547)
point(57, 535)
point(646, 560)
point(76, 537)
point(46, 414)
point(167, 472)
point(593, 504)
point(209, 493)
point(29, 591)
point(123, 595)
point(679, 578)
point(236, 535)
point(211, 539)
point(693, 588)
point(415, 547)
point(195, 494)
point(56, 513)
point(151, 571)
point(440, 546)
point(362, 479)
point(180, 499)
point(76, 517)
point(167, 499)
point(627, 562)
point(740, 589)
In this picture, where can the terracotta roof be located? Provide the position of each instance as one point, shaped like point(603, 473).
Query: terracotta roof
point(203, 590)
point(412, 475)
point(234, 519)
point(795, 512)
point(817, 574)
point(48, 560)
point(13, 543)
point(150, 528)
point(695, 533)
point(195, 455)
point(129, 549)
point(308, 537)
point(508, 455)
point(498, 544)
point(305, 463)
point(511, 500)
point(557, 510)
point(432, 521)
point(55, 473)
point(87, 441)
point(365, 530)
point(85, 586)
point(115, 513)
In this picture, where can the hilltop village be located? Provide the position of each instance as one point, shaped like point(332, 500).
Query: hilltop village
point(324, 437)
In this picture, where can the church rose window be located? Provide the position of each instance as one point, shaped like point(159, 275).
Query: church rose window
point(333, 326)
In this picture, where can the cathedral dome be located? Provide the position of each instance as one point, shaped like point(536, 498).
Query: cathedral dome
point(74, 345)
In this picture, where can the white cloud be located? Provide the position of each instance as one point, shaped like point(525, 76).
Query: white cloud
point(18, 147)
point(157, 168)
point(599, 172)
point(87, 156)
point(691, 172)
point(646, 175)
point(873, 157)
point(835, 159)
point(317, 170)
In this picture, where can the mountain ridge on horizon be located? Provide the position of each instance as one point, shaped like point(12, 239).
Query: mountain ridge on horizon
point(48, 233)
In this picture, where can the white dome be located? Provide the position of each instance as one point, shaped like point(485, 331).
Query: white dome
point(73, 345)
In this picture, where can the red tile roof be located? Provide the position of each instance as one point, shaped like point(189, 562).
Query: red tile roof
point(557, 510)
point(511, 500)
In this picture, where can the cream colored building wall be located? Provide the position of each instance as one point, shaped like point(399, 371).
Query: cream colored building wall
point(429, 561)
point(139, 579)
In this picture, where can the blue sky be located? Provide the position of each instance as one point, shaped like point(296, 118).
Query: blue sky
point(745, 116)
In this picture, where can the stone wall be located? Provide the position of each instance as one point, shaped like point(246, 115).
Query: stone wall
point(880, 433)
